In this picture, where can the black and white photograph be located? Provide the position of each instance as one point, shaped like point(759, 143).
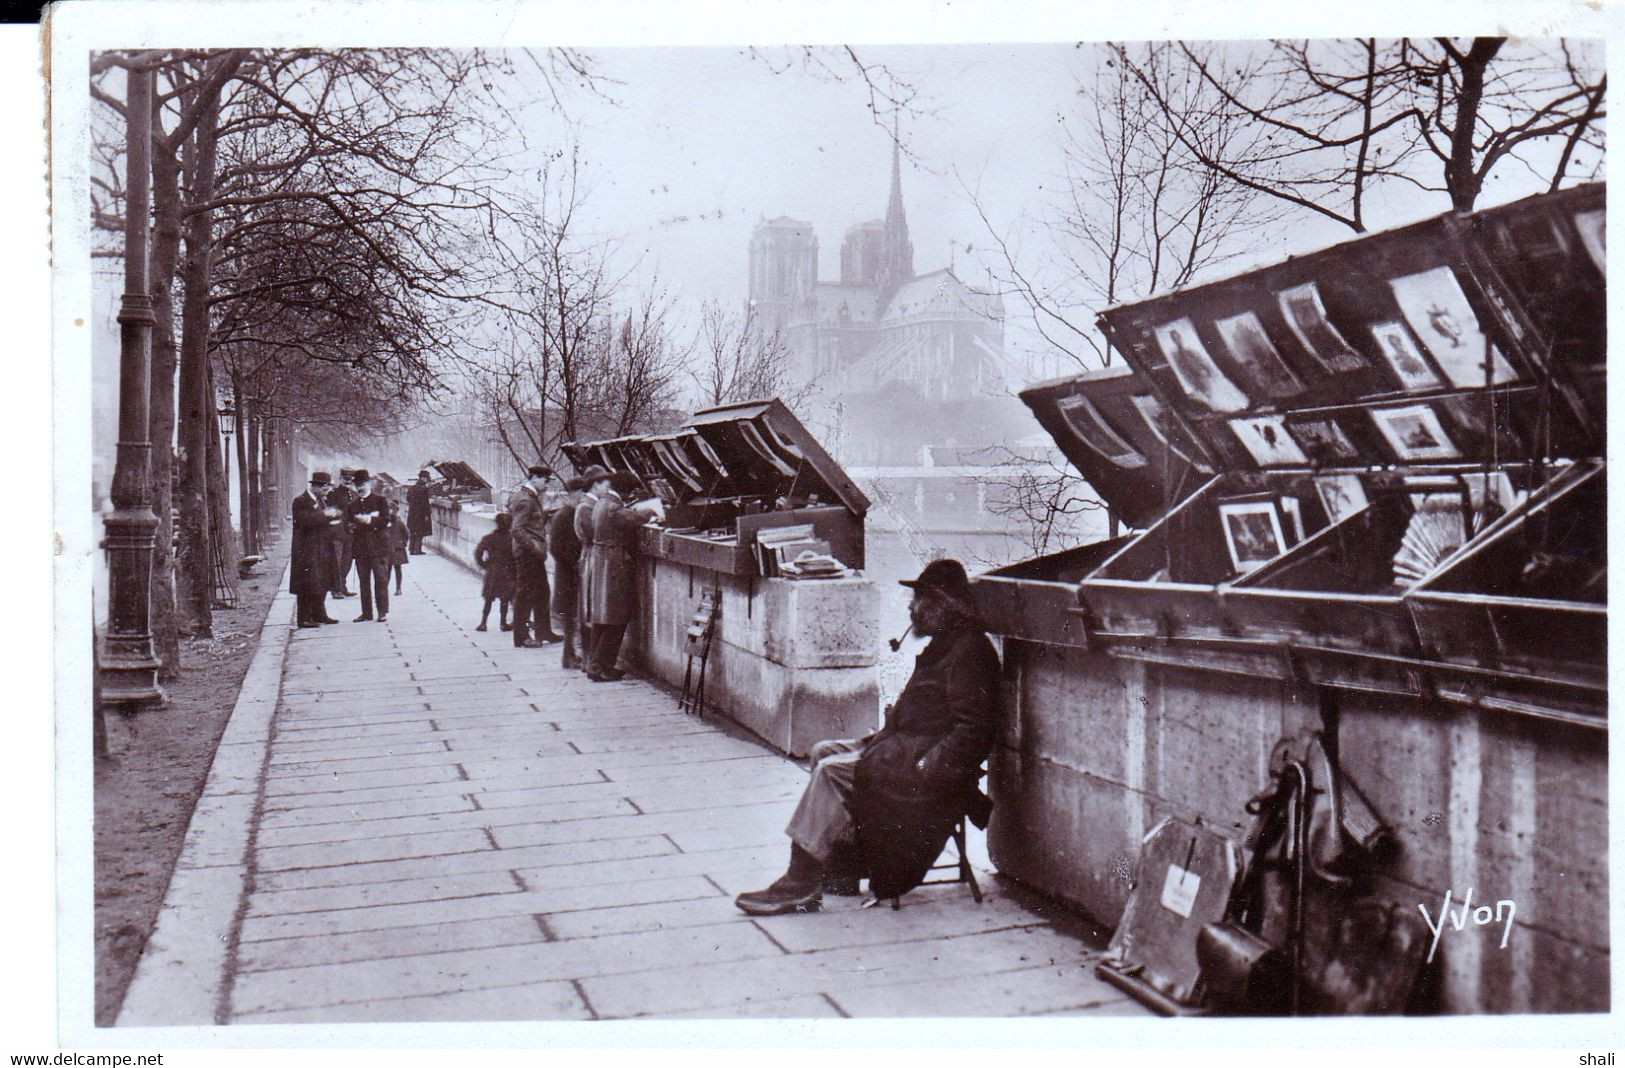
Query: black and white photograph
point(1194, 367)
point(1252, 532)
point(1252, 348)
point(1414, 433)
point(1305, 314)
point(1268, 440)
point(1399, 349)
point(575, 528)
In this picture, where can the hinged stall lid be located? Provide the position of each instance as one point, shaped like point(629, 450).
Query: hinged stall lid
point(767, 453)
point(1116, 431)
point(1406, 347)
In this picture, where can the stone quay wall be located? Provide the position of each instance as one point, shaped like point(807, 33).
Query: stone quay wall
point(1096, 749)
point(793, 662)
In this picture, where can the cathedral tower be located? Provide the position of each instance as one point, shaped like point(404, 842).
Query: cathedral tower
point(897, 254)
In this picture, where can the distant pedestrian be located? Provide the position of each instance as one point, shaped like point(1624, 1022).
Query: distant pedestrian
point(369, 536)
point(532, 624)
point(311, 564)
point(397, 543)
point(597, 482)
point(494, 556)
point(614, 575)
point(419, 521)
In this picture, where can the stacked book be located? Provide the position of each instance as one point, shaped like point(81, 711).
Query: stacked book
point(809, 564)
point(777, 547)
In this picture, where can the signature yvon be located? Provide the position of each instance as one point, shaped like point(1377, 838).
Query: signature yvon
point(1482, 916)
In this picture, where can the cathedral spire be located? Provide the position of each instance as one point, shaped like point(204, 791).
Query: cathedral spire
point(897, 261)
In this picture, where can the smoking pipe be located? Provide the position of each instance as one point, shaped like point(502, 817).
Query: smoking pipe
point(897, 642)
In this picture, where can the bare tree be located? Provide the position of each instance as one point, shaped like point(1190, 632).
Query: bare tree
point(736, 359)
point(1331, 122)
point(1040, 497)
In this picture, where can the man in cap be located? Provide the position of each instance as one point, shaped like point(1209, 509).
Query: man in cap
point(341, 497)
point(614, 576)
point(419, 522)
point(892, 798)
point(532, 626)
point(596, 479)
point(311, 556)
point(369, 538)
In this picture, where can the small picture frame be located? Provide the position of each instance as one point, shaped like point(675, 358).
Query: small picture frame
point(1341, 496)
point(1198, 375)
point(1253, 350)
point(1324, 440)
point(1306, 317)
point(1414, 433)
point(1170, 433)
point(1091, 428)
point(1399, 349)
point(1252, 532)
point(1266, 438)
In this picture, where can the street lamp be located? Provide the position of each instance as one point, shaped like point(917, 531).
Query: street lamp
point(228, 418)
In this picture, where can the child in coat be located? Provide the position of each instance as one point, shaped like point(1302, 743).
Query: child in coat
point(494, 555)
point(397, 543)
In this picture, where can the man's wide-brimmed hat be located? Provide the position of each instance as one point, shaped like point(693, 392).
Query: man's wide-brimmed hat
point(423, 475)
point(624, 482)
point(538, 469)
point(346, 472)
point(593, 474)
point(320, 478)
point(946, 577)
point(360, 475)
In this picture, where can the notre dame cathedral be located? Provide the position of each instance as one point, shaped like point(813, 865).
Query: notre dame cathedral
point(908, 368)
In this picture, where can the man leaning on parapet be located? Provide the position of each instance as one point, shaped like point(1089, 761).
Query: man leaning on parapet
point(884, 805)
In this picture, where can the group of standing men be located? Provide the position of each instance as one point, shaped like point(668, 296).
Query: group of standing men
point(591, 539)
point(340, 526)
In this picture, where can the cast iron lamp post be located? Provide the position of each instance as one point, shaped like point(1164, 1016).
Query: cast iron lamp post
point(129, 663)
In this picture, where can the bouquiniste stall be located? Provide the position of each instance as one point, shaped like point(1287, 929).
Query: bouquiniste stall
point(1370, 497)
point(792, 658)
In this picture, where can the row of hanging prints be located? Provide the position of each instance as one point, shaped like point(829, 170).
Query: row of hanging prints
point(1437, 343)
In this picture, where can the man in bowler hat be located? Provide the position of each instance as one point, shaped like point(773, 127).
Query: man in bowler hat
point(595, 481)
point(311, 557)
point(885, 804)
point(419, 523)
point(532, 626)
point(614, 597)
point(369, 538)
point(341, 496)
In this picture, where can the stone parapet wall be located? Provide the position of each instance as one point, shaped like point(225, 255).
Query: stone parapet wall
point(793, 662)
point(1096, 749)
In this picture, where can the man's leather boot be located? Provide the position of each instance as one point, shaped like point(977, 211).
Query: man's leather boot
point(800, 889)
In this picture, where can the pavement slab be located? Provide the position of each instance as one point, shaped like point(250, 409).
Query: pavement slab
point(434, 826)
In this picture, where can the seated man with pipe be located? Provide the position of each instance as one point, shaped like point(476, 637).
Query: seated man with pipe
point(886, 804)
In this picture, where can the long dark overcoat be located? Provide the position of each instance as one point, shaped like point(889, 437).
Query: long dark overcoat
point(583, 529)
point(529, 527)
point(419, 520)
point(494, 555)
point(614, 596)
point(369, 538)
point(565, 549)
point(310, 566)
point(917, 775)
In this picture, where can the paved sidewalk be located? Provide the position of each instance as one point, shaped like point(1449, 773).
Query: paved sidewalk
point(449, 828)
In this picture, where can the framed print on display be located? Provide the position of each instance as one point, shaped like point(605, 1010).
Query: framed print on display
point(1198, 375)
point(1306, 316)
point(1406, 360)
point(1341, 495)
point(1252, 532)
point(1436, 308)
point(1091, 428)
point(1414, 433)
point(1324, 440)
point(1267, 439)
point(1168, 432)
point(1252, 348)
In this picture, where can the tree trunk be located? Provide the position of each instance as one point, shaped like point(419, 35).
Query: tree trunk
point(1461, 173)
point(253, 518)
point(245, 491)
point(165, 253)
point(197, 415)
